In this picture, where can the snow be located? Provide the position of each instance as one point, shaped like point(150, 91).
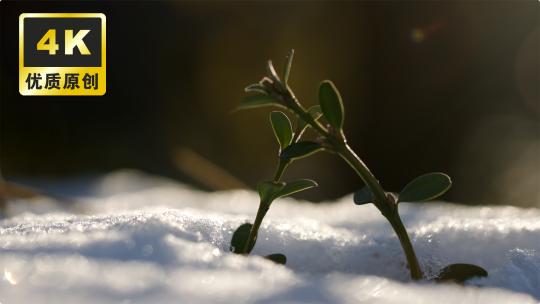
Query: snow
point(135, 238)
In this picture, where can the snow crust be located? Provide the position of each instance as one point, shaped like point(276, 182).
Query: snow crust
point(134, 238)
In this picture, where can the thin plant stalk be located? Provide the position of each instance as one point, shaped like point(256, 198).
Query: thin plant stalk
point(263, 209)
point(252, 238)
point(387, 207)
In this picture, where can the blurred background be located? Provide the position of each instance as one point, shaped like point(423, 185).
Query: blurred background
point(445, 86)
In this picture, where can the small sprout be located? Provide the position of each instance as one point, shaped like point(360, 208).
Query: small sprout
point(282, 128)
point(459, 273)
point(240, 237)
point(273, 91)
point(331, 104)
point(257, 101)
point(363, 196)
point(277, 258)
point(425, 187)
point(276, 92)
point(245, 237)
point(300, 150)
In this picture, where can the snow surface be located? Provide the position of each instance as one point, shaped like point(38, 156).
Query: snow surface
point(133, 238)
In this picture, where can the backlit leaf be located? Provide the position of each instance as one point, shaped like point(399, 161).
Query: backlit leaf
point(299, 150)
point(282, 128)
point(270, 191)
point(425, 187)
point(331, 104)
point(295, 186)
point(257, 101)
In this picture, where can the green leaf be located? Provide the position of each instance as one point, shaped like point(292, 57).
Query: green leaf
point(282, 128)
point(270, 191)
point(331, 104)
point(300, 150)
point(257, 101)
point(287, 70)
point(240, 237)
point(460, 273)
point(278, 258)
point(363, 196)
point(295, 186)
point(425, 187)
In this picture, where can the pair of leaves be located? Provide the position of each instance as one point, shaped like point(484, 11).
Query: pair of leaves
point(239, 239)
point(286, 72)
point(263, 99)
point(270, 191)
point(282, 126)
point(284, 134)
point(423, 188)
point(331, 105)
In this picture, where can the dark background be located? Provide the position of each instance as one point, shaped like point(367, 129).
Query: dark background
point(445, 86)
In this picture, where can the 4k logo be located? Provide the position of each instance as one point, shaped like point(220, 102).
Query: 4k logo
point(62, 54)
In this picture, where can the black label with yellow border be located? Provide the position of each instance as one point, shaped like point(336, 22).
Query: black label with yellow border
point(62, 54)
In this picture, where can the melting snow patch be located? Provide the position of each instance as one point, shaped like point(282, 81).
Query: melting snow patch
point(140, 239)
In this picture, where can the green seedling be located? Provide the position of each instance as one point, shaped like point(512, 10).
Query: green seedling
point(245, 236)
point(273, 90)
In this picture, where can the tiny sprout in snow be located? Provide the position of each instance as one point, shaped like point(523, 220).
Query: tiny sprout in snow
point(327, 120)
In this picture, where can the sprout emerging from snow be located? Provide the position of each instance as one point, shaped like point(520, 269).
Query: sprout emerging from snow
point(274, 90)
